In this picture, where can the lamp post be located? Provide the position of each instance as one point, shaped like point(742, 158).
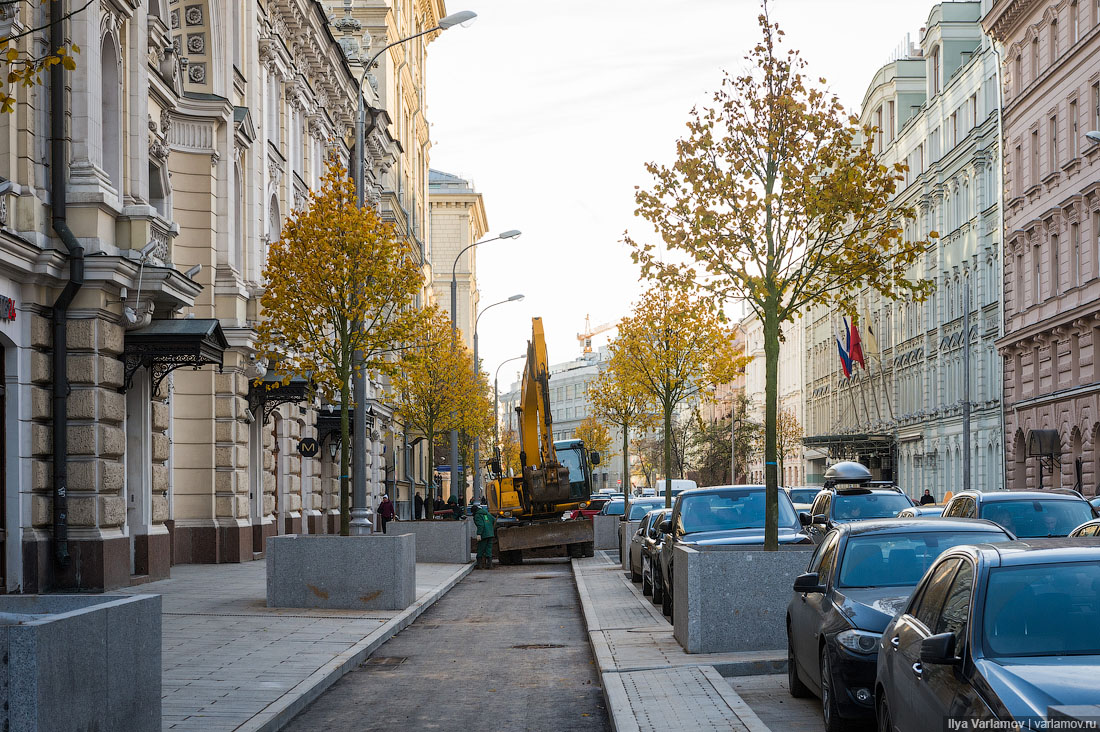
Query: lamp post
point(510, 234)
point(360, 521)
point(1093, 136)
point(477, 438)
point(496, 397)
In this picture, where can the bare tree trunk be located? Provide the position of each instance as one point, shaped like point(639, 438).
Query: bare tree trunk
point(771, 421)
point(345, 485)
point(668, 455)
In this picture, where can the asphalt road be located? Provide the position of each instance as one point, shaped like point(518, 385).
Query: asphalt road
point(503, 650)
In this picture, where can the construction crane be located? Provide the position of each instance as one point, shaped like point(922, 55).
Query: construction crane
point(586, 337)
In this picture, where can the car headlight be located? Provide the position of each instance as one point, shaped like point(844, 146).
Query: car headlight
point(859, 641)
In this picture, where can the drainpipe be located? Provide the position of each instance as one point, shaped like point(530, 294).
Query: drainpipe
point(59, 173)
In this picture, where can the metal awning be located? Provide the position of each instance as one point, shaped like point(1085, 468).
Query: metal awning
point(166, 345)
point(272, 393)
point(852, 446)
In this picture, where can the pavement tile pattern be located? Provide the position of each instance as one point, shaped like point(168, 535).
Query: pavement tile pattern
point(231, 663)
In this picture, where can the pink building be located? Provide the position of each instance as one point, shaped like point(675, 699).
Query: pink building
point(1050, 54)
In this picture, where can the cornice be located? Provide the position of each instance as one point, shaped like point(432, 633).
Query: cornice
point(1005, 16)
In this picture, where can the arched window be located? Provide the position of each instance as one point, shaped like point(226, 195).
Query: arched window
point(111, 99)
point(934, 72)
point(160, 194)
point(238, 219)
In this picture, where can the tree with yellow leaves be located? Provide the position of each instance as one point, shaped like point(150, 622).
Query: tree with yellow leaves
point(788, 437)
point(509, 451)
point(671, 347)
point(620, 401)
point(338, 282)
point(594, 434)
point(22, 51)
point(435, 384)
point(776, 199)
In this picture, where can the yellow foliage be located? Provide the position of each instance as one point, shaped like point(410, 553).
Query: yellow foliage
point(595, 435)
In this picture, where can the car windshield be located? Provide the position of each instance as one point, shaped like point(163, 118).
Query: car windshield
point(638, 509)
point(571, 458)
point(859, 506)
point(1043, 610)
point(1037, 517)
point(729, 510)
point(900, 560)
point(613, 508)
point(804, 495)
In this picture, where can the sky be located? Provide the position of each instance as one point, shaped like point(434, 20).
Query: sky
point(552, 110)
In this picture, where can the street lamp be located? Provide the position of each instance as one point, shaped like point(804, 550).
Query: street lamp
point(496, 397)
point(1093, 136)
point(360, 521)
point(510, 234)
point(477, 439)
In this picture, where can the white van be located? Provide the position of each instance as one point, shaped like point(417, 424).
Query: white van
point(678, 485)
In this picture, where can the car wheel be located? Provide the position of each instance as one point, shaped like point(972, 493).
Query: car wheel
point(634, 576)
point(885, 723)
point(833, 722)
point(794, 684)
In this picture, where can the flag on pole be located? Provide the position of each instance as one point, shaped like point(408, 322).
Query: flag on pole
point(869, 340)
point(842, 347)
point(855, 348)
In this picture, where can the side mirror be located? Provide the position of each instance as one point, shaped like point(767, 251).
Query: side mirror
point(666, 526)
point(494, 467)
point(939, 649)
point(804, 518)
point(809, 582)
point(594, 457)
point(820, 518)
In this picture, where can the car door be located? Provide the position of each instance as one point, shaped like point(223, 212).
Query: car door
point(636, 543)
point(820, 507)
point(904, 675)
point(807, 612)
point(946, 693)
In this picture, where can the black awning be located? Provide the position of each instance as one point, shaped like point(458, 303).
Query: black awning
point(272, 392)
point(166, 345)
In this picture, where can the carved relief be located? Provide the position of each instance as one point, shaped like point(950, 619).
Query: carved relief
point(193, 14)
point(196, 73)
point(196, 43)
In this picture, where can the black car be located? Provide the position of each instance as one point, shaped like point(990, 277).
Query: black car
point(721, 515)
point(836, 506)
point(614, 507)
point(1089, 528)
point(638, 540)
point(1027, 514)
point(651, 550)
point(858, 579)
point(995, 632)
point(639, 507)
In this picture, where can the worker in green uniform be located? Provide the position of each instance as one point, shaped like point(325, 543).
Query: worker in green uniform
point(484, 522)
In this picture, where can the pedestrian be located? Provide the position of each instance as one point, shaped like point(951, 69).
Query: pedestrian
point(926, 498)
point(385, 511)
point(418, 507)
point(484, 522)
point(452, 505)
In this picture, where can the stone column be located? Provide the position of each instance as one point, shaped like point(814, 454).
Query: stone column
point(231, 507)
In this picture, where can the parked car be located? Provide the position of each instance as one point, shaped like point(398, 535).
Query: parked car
point(639, 507)
point(588, 509)
point(802, 496)
point(614, 507)
point(857, 580)
point(1095, 502)
point(1027, 514)
point(994, 632)
point(925, 511)
point(722, 515)
point(1089, 528)
point(836, 506)
point(637, 542)
point(651, 549)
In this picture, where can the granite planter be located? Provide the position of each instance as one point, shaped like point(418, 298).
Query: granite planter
point(445, 542)
point(373, 572)
point(626, 533)
point(80, 662)
point(605, 531)
point(728, 599)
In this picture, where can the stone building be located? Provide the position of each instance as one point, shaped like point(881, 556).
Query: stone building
point(935, 108)
point(195, 129)
point(457, 220)
point(1051, 91)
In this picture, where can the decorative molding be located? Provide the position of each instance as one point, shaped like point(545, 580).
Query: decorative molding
point(188, 135)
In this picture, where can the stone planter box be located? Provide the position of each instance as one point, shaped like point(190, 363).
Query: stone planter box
point(605, 532)
point(446, 542)
point(626, 533)
point(373, 572)
point(728, 599)
point(80, 662)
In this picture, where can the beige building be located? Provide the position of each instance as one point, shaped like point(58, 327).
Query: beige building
point(195, 129)
point(1049, 54)
point(457, 221)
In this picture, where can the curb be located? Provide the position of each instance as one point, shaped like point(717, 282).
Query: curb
point(279, 713)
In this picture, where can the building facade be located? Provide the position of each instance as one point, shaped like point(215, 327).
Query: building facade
point(1051, 90)
point(458, 220)
point(935, 108)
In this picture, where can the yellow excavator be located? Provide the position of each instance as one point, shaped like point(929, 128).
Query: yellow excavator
point(556, 476)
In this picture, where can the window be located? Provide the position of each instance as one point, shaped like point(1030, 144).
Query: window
point(111, 110)
point(1096, 238)
point(1074, 144)
point(1075, 242)
point(1055, 266)
point(878, 130)
point(973, 110)
point(1074, 24)
point(1018, 170)
point(1035, 157)
point(1096, 104)
point(926, 605)
point(823, 560)
point(890, 118)
point(956, 607)
point(935, 62)
point(1034, 59)
point(953, 130)
point(1019, 282)
point(1020, 71)
point(1053, 41)
point(1052, 142)
point(1037, 271)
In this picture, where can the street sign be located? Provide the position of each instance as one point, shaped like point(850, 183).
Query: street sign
point(308, 447)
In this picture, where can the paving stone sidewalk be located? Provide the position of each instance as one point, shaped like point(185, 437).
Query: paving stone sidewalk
point(649, 682)
point(231, 663)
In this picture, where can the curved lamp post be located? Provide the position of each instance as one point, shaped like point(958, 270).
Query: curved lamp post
point(510, 234)
point(477, 439)
point(360, 517)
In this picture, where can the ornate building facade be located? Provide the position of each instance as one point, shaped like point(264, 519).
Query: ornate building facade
point(935, 108)
point(1051, 92)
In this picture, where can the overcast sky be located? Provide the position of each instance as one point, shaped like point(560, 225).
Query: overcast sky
point(552, 109)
